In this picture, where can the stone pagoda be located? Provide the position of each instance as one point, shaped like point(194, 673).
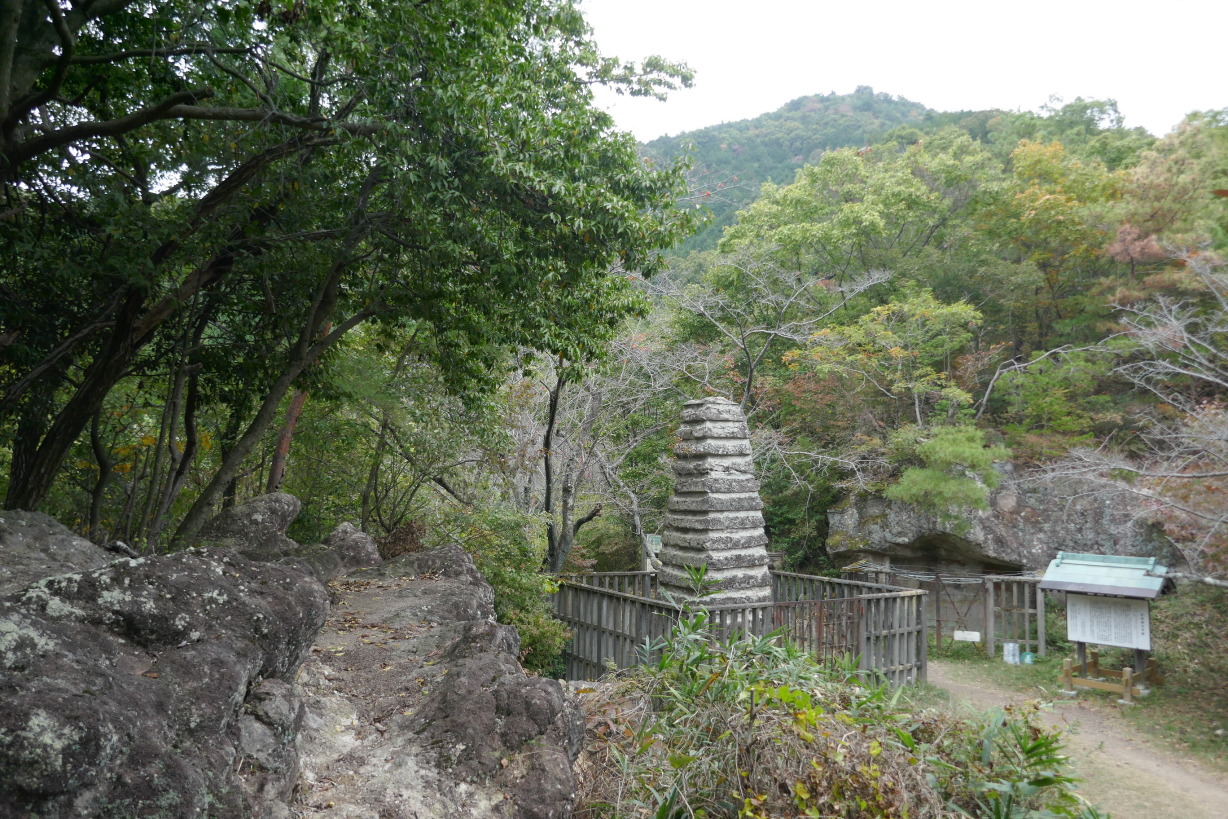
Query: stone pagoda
point(714, 515)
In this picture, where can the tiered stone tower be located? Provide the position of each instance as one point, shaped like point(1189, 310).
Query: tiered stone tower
point(714, 515)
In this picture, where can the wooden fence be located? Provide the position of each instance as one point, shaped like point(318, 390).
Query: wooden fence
point(614, 615)
point(1015, 611)
point(998, 608)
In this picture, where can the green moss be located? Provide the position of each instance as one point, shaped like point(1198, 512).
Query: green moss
point(844, 542)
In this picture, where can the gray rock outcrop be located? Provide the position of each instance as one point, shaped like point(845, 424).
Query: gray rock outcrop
point(175, 686)
point(714, 517)
point(1027, 523)
point(34, 546)
point(355, 547)
point(122, 688)
point(257, 530)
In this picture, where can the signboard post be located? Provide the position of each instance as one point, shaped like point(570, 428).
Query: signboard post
point(1108, 600)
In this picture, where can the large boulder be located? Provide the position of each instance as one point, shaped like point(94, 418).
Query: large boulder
point(259, 523)
point(34, 546)
point(355, 547)
point(171, 686)
point(1027, 523)
point(154, 687)
point(257, 528)
point(419, 707)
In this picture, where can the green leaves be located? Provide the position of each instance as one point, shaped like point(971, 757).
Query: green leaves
point(949, 468)
point(333, 165)
point(857, 209)
point(777, 735)
point(902, 350)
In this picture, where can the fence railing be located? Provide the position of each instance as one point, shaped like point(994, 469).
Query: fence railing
point(642, 584)
point(613, 616)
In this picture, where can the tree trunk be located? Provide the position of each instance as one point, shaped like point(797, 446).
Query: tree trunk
point(226, 442)
point(134, 325)
point(103, 459)
point(167, 431)
point(282, 450)
point(32, 475)
point(302, 355)
point(553, 535)
point(182, 465)
point(369, 488)
point(225, 475)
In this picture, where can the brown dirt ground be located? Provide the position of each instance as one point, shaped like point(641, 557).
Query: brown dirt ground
point(1124, 775)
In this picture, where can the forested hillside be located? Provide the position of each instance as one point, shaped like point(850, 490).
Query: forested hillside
point(733, 159)
point(971, 289)
point(245, 249)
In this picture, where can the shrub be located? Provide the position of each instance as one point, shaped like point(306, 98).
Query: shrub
point(752, 727)
point(507, 553)
point(401, 540)
point(1187, 631)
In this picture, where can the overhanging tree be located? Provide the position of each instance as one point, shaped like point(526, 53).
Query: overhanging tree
point(302, 169)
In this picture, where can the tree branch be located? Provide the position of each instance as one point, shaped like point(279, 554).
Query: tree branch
point(592, 513)
point(227, 114)
point(113, 127)
point(67, 44)
point(181, 51)
point(1195, 578)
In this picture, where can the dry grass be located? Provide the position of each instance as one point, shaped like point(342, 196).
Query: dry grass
point(835, 764)
point(657, 746)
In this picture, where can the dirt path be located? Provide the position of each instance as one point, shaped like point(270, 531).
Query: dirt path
point(1127, 776)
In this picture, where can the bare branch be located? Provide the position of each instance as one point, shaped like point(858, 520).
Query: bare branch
point(1194, 578)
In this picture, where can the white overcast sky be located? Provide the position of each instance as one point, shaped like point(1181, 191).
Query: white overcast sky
point(1159, 60)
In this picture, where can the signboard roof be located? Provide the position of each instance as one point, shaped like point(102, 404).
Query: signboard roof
point(1116, 575)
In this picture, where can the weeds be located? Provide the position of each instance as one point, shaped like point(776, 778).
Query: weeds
point(752, 727)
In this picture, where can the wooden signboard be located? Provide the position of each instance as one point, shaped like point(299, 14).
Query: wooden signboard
point(1110, 621)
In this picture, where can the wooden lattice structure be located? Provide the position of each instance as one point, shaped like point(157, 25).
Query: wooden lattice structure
point(881, 627)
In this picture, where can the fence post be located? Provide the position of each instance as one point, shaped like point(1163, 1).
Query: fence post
point(990, 632)
point(1040, 620)
point(1127, 686)
point(1068, 677)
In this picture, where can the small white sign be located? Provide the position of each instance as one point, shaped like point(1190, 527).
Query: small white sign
point(968, 636)
point(1108, 621)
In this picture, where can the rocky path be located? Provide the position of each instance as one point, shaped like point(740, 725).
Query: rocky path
point(419, 709)
point(1124, 775)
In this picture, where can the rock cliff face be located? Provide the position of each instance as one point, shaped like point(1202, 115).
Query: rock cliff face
point(170, 686)
point(1026, 525)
